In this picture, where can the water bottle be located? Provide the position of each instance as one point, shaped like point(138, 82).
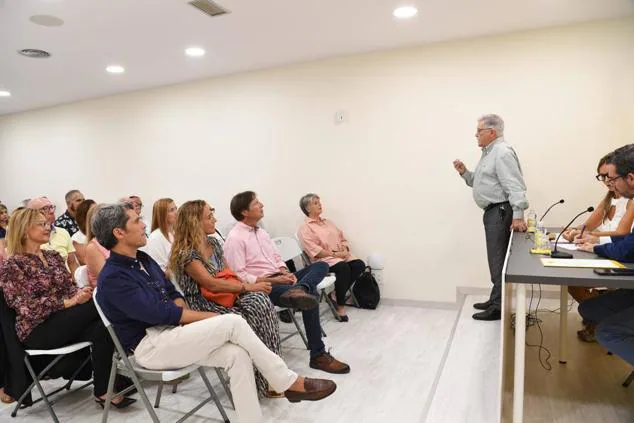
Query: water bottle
point(531, 221)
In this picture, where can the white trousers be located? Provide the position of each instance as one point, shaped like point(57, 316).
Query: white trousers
point(224, 341)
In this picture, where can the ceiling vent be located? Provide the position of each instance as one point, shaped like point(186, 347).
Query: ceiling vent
point(34, 53)
point(209, 7)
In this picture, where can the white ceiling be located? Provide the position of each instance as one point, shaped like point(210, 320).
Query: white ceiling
point(148, 37)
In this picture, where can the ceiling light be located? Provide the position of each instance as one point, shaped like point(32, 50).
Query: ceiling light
point(5, 93)
point(34, 53)
point(194, 52)
point(405, 12)
point(115, 69)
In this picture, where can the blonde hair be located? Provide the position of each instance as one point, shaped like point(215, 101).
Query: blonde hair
point(19, 224)
point(188, 232)
point(159, 216)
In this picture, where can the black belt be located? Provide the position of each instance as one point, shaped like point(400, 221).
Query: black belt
point(494, 205)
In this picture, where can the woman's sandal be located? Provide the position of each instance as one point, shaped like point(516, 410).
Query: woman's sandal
point(272, 394)
point(124, 403)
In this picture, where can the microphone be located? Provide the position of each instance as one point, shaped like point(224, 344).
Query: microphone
point(558, 254)
point(558, 202)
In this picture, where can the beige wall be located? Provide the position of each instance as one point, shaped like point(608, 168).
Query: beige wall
point(385, 175)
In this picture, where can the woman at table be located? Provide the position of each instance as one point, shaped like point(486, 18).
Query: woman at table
point(613, 216)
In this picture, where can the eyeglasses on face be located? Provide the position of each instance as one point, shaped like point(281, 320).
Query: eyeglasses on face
point(47, 209)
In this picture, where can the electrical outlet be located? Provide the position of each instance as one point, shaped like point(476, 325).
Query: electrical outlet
point(340, 116)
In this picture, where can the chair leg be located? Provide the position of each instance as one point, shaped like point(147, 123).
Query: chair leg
point(39, 387)
point(213, 395)
point(72, 378)
point(331, 305)
point(174, 388)
point(159, 391)
point(299, 330)
point(110, 391)
point(141, 391)
point(629, 380)
point(225, 386)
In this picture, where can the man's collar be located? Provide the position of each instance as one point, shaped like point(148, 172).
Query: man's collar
point(126, 260)
point(493, 143)
point(311, 220)
point(247, 227)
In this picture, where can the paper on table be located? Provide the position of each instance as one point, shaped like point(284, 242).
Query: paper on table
point(583, 263)
point(571, 247)
point(562, 240)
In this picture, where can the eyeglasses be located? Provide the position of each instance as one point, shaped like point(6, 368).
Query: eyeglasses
point(44, 225)
point(483, 129)
point(601, 177)
point(47, 208)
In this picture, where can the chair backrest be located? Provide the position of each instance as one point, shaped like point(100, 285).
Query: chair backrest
point(81, 276)
point(288, 247)
point(104, 319)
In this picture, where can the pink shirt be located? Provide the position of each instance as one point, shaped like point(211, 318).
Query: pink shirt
point(321, 234)
point(250, 253)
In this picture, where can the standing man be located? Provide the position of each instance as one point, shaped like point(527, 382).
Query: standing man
point(498, 189)
point(67, 220)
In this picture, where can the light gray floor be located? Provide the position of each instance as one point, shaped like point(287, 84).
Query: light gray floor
point(467, 389)
point(395, 354)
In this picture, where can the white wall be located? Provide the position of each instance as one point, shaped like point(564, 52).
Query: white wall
point(385, 176)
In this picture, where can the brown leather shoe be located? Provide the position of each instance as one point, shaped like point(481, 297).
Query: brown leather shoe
point(329, 364)
point(298, 298)
point(316, 389)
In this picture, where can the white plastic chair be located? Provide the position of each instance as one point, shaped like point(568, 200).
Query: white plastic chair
point(81, 276)
point(127, 366)
point(289, 250)
point(59, 353)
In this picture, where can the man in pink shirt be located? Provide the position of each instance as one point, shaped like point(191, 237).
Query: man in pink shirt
point(251, 254)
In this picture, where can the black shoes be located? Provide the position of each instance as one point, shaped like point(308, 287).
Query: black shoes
point(489, 314)
point(482, 306)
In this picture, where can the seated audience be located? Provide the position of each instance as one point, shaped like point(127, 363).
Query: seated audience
point(323, 241)
point(137, 206)
point(68, 219)
point(96, 255)
point(159, 243)
point(154, 323)
point(612, 217)
point(4, 220)
point(613, 312)
point(250, 252)
point(197, 262)
point(51, 312)
point(79, 238)
point(59, 239)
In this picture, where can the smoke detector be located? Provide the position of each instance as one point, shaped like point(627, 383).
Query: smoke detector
point(34, 53)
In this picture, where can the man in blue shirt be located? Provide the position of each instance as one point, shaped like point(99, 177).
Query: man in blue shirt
point(153, 322)
point(613, 312)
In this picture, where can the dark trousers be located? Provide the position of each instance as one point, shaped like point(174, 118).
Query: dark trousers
point(308, 278)
point(77, 324)
point(613, 312)
point(497, 229)
point(346, 272)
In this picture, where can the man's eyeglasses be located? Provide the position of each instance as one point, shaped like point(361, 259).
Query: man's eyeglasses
point(47, 208)
point(483, 129)
point(602, 177)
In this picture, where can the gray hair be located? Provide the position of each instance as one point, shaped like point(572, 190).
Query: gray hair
point(493, 122)
point(107, 219)
point(305, 201)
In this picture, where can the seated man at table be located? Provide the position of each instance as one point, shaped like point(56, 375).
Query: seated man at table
point(613, 312)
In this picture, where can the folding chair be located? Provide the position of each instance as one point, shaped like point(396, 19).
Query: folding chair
point(628, 381)
point(289, 250)
point(59, 353)
point(81, 276)
point(127, 366)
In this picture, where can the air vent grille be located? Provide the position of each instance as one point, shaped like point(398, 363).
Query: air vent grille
point(209, 7)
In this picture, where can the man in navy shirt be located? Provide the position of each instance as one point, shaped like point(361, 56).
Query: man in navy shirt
point(613, 312)
point(153, 322)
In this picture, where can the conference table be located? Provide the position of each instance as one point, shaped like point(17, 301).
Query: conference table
point(522, 268)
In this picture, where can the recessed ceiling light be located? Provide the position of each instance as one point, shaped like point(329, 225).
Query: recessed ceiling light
point(5, 93)
point(194, 52)
point(34, 53)
point(46, 20)
point(405, 12)
point(115, 69)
